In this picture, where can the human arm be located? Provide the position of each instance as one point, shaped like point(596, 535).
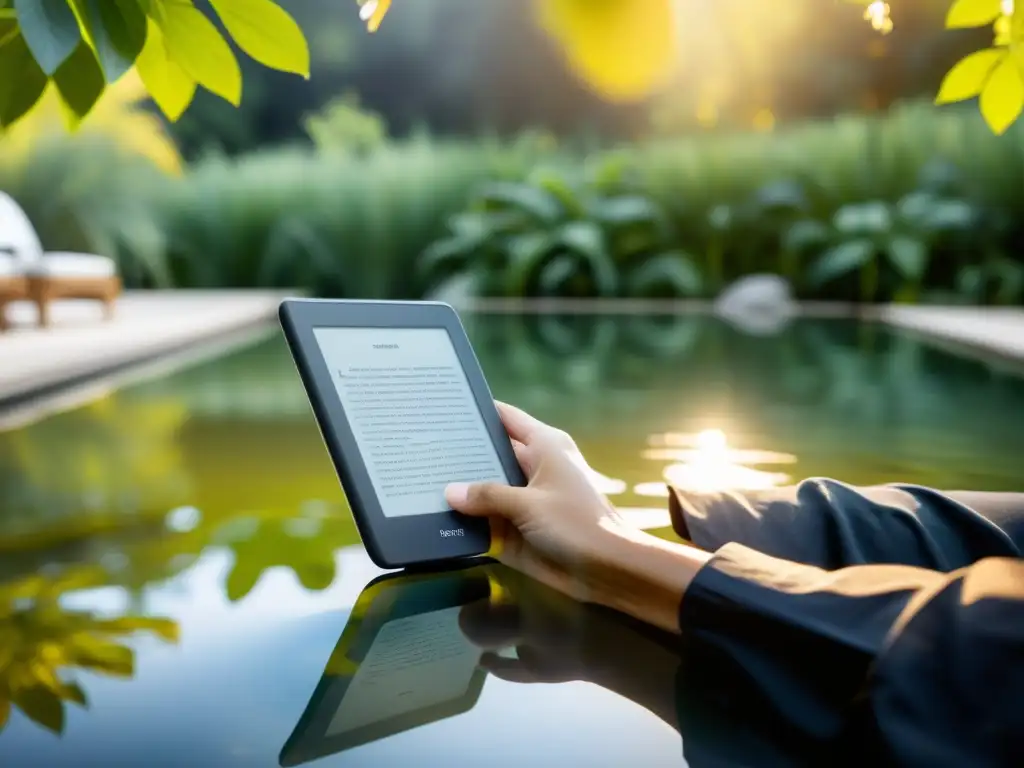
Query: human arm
point(822, 636)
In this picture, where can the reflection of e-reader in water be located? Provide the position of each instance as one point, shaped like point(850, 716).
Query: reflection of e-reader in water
point(401, 662)
point(404, 410)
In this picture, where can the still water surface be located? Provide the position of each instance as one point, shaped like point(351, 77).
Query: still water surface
point(177, 562)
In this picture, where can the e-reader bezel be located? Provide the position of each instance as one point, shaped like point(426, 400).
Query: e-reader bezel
point(395, 542)
point(391, 597)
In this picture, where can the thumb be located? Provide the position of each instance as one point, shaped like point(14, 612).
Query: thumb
point(488, 500)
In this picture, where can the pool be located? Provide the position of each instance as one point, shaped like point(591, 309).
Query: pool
point(179, 552)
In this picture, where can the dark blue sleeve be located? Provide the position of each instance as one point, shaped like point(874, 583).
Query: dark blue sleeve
point(892, 618)
point(897, 664)
point(832, 525)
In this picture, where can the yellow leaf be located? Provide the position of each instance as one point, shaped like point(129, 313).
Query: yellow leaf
point(266, 32)
point(968, 76)
point(1003, 97)
point(171, 88)
point(193, 42)
point(624, 49)
point(973, 13)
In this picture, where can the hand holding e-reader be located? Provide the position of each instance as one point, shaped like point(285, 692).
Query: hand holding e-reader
point(404, 410)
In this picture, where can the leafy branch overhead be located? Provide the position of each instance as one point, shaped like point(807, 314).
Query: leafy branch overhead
point(624, 49)
point(995, 75)
point(79, 47)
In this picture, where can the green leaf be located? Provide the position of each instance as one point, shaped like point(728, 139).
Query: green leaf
point(970, 281)
point(784, 196)
point(909, 256)
point(51, 30)
point(631, 210)
point(556, 274)
point(841, 260)
point(80, 82)
point(586, 239)
point(166, 629)
point(916, 207)
point(117, 29)
point(526, 254)
point(950, 216)
point(73, 692)
point(606, 173)
point(860, 219)
point(973, 13)
point(266, 32)
point(968, 76)
point(560, 189)
point(193, 42)
point(170, 86)
point(5, 711)
point(1003, 96)
point(805, 235)
point(444, 258)
point(101, 656)
point(538, 204)
point(41, 706)
point(484, 225)
point(667, 275)
point(17, 94)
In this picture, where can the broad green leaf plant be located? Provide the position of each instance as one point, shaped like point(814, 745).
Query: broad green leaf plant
point(80, 47)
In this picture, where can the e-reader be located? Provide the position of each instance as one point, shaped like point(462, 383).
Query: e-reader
point(402, 661)
point(404, 410)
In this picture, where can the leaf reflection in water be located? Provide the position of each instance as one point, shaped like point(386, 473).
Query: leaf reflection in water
point(41, 641)
point(705, 463)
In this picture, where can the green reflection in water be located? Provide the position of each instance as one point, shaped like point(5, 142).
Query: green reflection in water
point(42, 643)
point(138, 484)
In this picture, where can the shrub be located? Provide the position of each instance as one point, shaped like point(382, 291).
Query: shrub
point(590, 235)
point(332, 224)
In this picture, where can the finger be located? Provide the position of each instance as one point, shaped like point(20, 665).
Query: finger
point(490, 627)
point(518, 423)
point(510, 670)
point(523, 457)
point(489, 500)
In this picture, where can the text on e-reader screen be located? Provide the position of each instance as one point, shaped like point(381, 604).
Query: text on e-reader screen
point(412, 413)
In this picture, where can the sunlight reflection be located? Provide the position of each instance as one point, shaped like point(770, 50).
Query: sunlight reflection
point(704, 462)
point(878, 14)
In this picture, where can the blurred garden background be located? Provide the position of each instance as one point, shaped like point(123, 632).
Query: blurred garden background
point(505, 145)
point(490, 148)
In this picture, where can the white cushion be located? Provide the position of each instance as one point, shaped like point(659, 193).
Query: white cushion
point(73, 265)
point(10, 266)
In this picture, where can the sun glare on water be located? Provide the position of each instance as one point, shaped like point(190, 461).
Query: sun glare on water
point(706, 463)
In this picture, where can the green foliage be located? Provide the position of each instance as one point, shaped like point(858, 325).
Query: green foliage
point(41, 642)
point(593, 236)
point(343, 126)
point(89, 196)
point(333, 224)
point(83, 46)
point(915, 206)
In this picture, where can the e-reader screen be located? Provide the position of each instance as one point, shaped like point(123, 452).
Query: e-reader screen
point(412, 413)
point(415, 662)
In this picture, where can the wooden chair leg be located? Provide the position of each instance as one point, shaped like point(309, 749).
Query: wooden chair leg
point(43, 304)
point(3, 315)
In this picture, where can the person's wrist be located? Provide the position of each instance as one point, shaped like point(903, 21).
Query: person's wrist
point(641, 575)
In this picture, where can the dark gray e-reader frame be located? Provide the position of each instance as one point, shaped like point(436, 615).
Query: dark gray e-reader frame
point(385, 599)
point(412, 540)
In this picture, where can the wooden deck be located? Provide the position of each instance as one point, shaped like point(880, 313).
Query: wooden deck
point(148, 327)
point(986, 331)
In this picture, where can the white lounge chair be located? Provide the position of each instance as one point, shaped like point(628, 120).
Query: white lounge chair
point(28, 272)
